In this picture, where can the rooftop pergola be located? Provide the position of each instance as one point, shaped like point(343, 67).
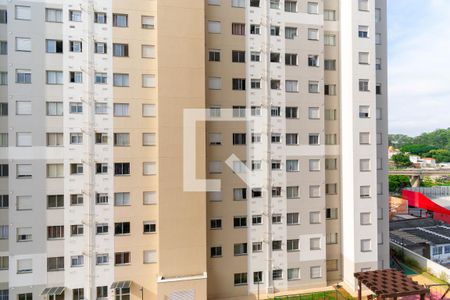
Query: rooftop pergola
point(389, 283)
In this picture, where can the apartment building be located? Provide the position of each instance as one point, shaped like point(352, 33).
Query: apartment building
point(93, 96)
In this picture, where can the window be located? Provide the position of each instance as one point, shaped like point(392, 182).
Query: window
point(76, 230)
point(100, 48)
point(330, 90)
point(53, 15)
point(121, 168)
point(76, 169)
point(330, 39)
point(4, 265)
point(290, 32)
point(293, 274)
point(148, 110)
point(331, 213)
point(216, 251)
point(291, 112)
point(275, 57)
point(276, 191)
point(364, 111)
point(363, 5)
point(290, 59)
point(314, 191)
point(23, 12)
point(78, 294)
point(149, 139)
point(54, 46)
point(291, 139)
point(313, 8)
point(216, 223)
point(378, 89)
point(102, 292)
point(102, 259)
point(149, 168)
point(75, 15)
point(240, 278)
point(239, 194)
point(366, 245)
point(313, 60)
point(364, 58)
point(378, 64)
point(121, 228)
point(120, 20)
point(274, 30)
point(331, 189)
point(27, 296)
point(237, 56)
point(55, 232)
point(365, 191)
point(240, 222)
point(3, 140)
point(75, 77)
point(55, 201)
point(332, 238)
point(3, 47)
point(23, 139)
point(238, 29)
point(314, 244)
point(25, 266)
point(4, 232)
point(214, 55)
point(214, 27)
point(54, 108)
point(254, 3)
point(102, 228)
point(330, 64)
point(121, 109)
point(55, 264)
point(277, 274)
point(363, 31)
point(76, 199)
point(275, 84)
point(4, 171)
point(55, 170)
point(275, 4)
point(76, 261)
point(293, 218)
point(101, 78)
point(100, 18)
point(121, 139)
point(214, 83)
point(314, 113)
point(122, 258)
point(292, 192)
point(150, 256)
point(313, 139)
point(3, 78)
point(378, 38)
point(148, 51)
point(101, 168)
point(238, 84)
point(314, 165)
point(75, 46)
point(120, 50)
point(149, 227)
point(23, 170)
point(4, 201)
point(24, 234)
point(255, 29)
point(148, 22)
point(148, 81)
point(313, 34)
point(290, 6)
point(364, 165)
point(75, 107)
point(240, 249)
point(330, 139)
point(239, 138)
point(314, 217)
point(365, 218)
point(292, 245)
point(329, 15)
point(313, 87)
point(23, 76)
point(54, 77)
point(377, 15)
point(277, 245)
point(120, 80)
point(291, 86)
point(332, 265)
point(76, 138)
point(238, 3)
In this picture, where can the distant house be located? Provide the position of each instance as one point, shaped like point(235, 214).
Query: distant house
point(425, 162)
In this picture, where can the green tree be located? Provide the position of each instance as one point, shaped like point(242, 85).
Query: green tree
point(401, 160)
point(417, 149)
point(397, 183)
point(399, 140)
point(440, 155)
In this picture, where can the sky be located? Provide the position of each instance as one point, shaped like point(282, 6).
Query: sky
point(419, 65)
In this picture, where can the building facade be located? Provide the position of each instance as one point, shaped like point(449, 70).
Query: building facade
point(93, 95)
